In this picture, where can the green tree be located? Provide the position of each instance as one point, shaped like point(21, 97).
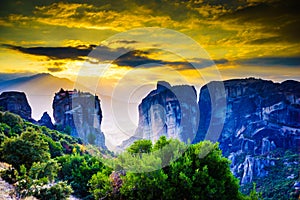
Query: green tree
point(201, 172)
point(2, 138)
point(254, 195)
point(68, 130)
point(6, 130)
point(25, 149)
point(140, 146)
point(47, 170)
point(77, 171)
point(102, 186)
point(55, 148)
point(160, 143)
point(147, 185)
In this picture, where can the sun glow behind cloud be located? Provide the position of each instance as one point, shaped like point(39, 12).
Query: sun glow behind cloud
point(229, 30)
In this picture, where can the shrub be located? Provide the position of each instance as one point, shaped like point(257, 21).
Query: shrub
point(25, 149)
point(12, 119)
point(59, 191)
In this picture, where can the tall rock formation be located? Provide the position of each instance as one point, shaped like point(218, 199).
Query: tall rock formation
point(46, 121)
point(16, 102)
point(252, 119)
point(81, 114)
point(260, 116)
point(169, 110)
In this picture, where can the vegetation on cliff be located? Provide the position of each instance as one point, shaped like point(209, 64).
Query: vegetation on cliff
point(50, 165)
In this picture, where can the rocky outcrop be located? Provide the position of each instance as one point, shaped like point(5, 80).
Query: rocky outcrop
point(46, 121)
point(81, 114)
point(260, 116)
point(16, 102)
point(169, 110)
point(254, 167)
point(250, 118)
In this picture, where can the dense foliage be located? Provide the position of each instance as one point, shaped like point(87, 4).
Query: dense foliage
point(77, 170)
point(50, 165)
point(201, 172)
point(32, 152)
point(25, 149)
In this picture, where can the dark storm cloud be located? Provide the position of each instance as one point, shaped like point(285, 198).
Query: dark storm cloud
point(135, 58)
point(119, 56)
point(55, 53)
point(272, 61)
point(141, 59)
point(101, 53)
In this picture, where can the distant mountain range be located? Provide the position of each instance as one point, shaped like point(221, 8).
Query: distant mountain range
point(10, 76)
point(35, 84)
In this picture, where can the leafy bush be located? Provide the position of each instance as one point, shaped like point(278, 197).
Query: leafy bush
point(77, 170)
point(41, 170)
point(2, 138)
point(9, 175)
point(171, 169)
point(25, 149)
point(6, 130)
point(200, 173)
point(277, 185)
point(101, 185)
point(140, 146)
point(59, 191)
point(55, 148)
point(38, 182)
point(12, 119)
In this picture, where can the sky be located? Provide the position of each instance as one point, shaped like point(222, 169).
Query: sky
point(123, 47)
point(248, 37)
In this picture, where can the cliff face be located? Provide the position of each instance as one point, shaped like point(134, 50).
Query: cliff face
point(261, 116)
point(169, 110)
point(252, 119)
point(16, 102)
point(81, 114)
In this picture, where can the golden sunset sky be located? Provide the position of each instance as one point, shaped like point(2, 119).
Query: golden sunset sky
point(258, 38)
